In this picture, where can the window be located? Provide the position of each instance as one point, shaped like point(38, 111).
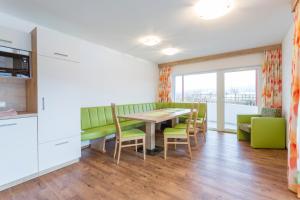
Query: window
point(240, 95)
point(199, 88)
point(236, 91)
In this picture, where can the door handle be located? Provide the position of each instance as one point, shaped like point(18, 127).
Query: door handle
point(62, 143)
point(5, 125)
point(61, 54)
point(43, 103)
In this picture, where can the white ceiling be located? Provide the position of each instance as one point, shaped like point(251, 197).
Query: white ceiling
point(119, 24)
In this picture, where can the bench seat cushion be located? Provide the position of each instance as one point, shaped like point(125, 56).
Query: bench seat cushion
point(98, 132)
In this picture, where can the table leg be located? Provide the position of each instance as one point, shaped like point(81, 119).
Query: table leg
point(150, 135)
point(150, 139)
point(175, 121)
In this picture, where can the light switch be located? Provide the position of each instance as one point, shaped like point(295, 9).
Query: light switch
point(2, 104)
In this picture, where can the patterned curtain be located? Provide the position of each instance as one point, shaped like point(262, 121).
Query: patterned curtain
point(272, 79)
point(164, 88)
point(293, 169)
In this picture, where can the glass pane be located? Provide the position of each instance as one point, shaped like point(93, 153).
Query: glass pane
point(178, 88)
point(203, 88)
point(240, 96)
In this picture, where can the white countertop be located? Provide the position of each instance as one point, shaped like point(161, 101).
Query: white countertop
point(19, 115)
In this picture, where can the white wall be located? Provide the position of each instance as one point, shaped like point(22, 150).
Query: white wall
point(109, 76)
point(287, 56)
point(106, 75)
point(250, 60)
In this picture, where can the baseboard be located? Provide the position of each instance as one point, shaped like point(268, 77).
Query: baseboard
point(17, 182)
point(46, 171)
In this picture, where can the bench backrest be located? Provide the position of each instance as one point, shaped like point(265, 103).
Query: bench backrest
point(92, 117)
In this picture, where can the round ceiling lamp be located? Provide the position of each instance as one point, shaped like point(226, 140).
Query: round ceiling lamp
point(211, 9)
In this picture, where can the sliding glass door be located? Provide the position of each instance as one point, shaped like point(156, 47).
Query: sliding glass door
point(227, 94)
point(240, 96)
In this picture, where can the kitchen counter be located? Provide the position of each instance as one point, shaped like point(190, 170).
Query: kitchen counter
point(19, 115)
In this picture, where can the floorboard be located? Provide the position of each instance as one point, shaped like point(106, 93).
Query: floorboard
point(221, 168)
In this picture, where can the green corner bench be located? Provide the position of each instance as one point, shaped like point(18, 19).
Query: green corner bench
point(265, 130)
point(97, 122)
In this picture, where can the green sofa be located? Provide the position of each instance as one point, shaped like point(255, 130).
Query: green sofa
point(97, 122)
point(266, 130)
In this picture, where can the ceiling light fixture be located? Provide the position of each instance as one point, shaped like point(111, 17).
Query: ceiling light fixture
point(170, 51)
point(211, 9)
point(150, 40)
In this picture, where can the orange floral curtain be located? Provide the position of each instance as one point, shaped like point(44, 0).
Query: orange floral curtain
point(293, 156)
point(164, 88)
point(272, 79)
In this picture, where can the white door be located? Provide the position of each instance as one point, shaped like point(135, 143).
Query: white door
point(18, 149)
point(59, 99)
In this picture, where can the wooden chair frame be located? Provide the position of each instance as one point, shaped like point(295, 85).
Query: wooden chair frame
point(120, 139)
point(186, 138)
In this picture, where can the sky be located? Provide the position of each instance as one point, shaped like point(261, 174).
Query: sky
point(208, 81)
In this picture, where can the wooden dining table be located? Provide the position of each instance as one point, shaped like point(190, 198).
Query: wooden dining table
point(154, 117)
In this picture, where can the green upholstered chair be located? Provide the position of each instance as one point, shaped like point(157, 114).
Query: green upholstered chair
point(195, 124)
point(176, 134)
point(126, 136)
point(265, 130)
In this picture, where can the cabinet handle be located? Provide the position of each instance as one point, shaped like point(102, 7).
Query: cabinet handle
point(61, 143)
point(12, 124)
point(43, 103)
point(60, 54)
point(6, 41)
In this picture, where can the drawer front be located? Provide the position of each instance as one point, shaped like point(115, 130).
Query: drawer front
point(56, 153)
point(57, 45)
point(18, 149)
point(15, 39)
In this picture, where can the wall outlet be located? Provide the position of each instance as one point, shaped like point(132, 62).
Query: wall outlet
point(2, 104)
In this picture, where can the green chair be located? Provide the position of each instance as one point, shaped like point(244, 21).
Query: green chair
point(195, 124)
point(267, 130)
point(176, 134)
point(126, 136)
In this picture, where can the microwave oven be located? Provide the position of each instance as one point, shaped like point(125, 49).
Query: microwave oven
point(15, 63)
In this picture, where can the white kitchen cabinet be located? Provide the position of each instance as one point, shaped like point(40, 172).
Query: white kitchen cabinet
point(58, 99)
point(15, 39)
point(57, 45)
point(58, 81)
point(18, 149)
point(58, 152)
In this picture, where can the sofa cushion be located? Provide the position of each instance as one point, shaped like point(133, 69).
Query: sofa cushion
point(245, 127)
point(270, 112)
point(98, 132)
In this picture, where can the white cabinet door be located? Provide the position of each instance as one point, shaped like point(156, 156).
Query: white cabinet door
point(58, 99)
point(57, 45)
point(18, 149)
point(53, 154)
point(15, 39)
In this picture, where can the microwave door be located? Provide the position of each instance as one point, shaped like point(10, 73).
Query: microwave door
point(6, 66)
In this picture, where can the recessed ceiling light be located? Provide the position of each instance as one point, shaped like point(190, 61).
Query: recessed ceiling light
point(211, 9)
point(150, 40)
point(170, 51)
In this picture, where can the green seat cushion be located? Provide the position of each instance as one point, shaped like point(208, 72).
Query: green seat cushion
point(98, 132)
point(132, 133)
point(245, 127)
point(175, 132)
point(94, 133)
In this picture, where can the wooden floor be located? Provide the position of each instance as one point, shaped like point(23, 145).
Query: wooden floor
point(222, 168)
